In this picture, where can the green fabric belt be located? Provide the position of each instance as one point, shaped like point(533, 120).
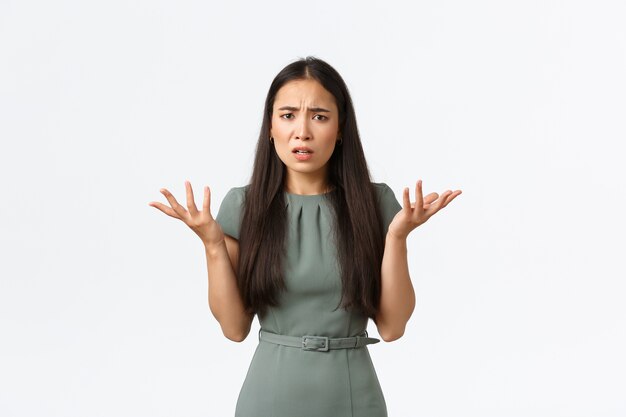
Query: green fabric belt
point(317, 343)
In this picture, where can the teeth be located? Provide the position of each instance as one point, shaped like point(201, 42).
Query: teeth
point(302, 151)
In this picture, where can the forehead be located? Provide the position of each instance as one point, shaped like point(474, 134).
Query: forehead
point(297, 92)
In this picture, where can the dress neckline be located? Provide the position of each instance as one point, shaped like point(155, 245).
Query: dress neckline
point(307, 196)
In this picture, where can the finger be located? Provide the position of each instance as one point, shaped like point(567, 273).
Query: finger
point(430, 198)
point(165, 209)
point(441, 202)
point(206, 203)
point(180, 210)
point(405, 198)
point(444, 198)
point(452, 197)
point(419, 199)
point(191, 203)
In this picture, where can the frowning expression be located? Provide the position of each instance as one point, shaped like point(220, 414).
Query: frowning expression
point(305, 119)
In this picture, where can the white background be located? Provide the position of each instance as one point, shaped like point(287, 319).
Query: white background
point(519, 281)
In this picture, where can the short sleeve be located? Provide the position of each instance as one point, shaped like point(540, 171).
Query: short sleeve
point(389, 205)
point(229, 214)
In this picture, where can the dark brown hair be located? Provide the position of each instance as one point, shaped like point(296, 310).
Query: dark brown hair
point(359, 236)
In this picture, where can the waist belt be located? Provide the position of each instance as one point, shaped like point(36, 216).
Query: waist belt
point(318, 343)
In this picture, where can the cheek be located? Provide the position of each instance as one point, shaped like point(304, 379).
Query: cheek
point(282, 148)
point(332, 143)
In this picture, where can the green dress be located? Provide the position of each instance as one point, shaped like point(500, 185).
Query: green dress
point(285, 381)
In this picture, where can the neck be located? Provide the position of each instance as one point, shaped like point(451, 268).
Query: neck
point(306, 183)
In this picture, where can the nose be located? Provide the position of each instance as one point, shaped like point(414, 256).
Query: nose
point(303, 131)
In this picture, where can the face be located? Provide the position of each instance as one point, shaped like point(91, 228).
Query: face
point(305, 115)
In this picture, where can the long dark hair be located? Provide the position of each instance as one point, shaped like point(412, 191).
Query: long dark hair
point(359, 236)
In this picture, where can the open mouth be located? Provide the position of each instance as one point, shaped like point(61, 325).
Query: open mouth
point(302, 150)
point(302, 153)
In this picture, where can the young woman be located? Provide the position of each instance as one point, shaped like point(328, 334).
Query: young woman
point(314, 249)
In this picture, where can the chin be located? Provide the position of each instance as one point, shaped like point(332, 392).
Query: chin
point(303, 169)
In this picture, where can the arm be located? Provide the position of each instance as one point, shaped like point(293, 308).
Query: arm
point(222, 253)
point(397, 300)
point(224, 298)
point(397, 295)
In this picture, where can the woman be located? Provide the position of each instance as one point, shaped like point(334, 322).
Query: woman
point(313, 248)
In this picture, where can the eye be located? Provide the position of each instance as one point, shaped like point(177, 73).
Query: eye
point(286, 114)
point(324, 117)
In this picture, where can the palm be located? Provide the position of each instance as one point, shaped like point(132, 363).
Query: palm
point(414, 214)
point(200, 221)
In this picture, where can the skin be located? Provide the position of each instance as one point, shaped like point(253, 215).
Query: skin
point(302, 126)
point(318, 130)
point(397, 300)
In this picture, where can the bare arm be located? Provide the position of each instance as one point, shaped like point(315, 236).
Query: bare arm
point(222, 252)
point(397, 300)
point(397, 295)
point(224, 298)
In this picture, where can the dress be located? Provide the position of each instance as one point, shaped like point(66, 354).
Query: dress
point(283, 381)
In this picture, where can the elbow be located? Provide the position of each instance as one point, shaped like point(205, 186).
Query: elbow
point(235, 337)
point(391, 336)
point(390, 331)
point(237, 333)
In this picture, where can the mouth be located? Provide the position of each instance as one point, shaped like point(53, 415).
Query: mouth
point(302, 150)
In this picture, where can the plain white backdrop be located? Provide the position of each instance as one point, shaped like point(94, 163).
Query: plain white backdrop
point(519, 281)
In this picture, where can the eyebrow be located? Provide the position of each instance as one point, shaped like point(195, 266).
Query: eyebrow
point(316, 109)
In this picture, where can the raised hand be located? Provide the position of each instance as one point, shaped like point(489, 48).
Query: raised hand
point(201, 222)
point(414, 214)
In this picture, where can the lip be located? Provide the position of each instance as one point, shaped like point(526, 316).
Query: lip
point(302, 156)
point(302, 148)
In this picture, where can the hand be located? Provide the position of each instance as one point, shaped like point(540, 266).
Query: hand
point(201, 222)
point(415, 214)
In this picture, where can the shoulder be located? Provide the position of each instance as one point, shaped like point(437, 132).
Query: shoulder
point(233, 201)
point(239, 189)
point(382, 189)
point(237, 193)
point(386, 197)
point(230, 212)
point(387, 202)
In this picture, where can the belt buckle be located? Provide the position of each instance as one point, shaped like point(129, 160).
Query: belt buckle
point(319, 343)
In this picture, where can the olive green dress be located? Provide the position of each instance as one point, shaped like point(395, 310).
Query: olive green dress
point(283, 381)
